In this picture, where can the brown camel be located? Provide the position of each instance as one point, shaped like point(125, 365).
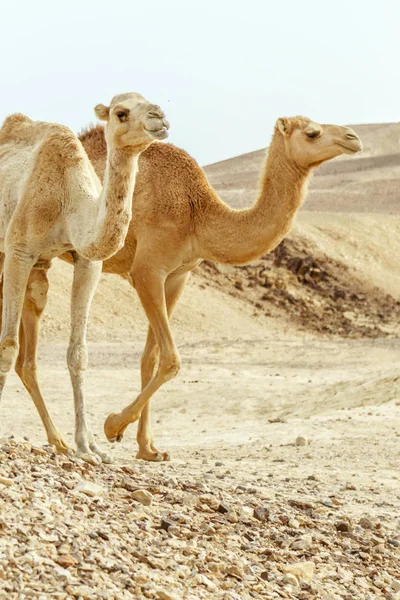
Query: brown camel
point(51, 201)
point(178, 220)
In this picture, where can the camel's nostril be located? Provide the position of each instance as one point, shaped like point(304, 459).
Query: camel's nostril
point(351, 136)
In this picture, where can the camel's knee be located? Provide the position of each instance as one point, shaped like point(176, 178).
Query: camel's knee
point(8, 353)
point(77, 357)
point(37, 289)
point(169, 366)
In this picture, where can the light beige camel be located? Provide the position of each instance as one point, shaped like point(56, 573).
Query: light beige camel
point(51, 200)
point(178, 220)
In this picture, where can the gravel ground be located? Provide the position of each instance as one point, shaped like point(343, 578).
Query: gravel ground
point(187, 530)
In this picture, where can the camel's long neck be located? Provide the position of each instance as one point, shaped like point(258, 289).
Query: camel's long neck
point(240, 236)
point(104, 224)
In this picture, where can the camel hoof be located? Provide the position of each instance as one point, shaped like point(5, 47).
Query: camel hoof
point(61, 447)
point(88, 457)
point(152, 456)
point(111, 428)
point(107, 459)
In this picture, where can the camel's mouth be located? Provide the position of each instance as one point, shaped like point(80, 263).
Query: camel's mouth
point(159, 134)
point(351, 148)
point(157, 127)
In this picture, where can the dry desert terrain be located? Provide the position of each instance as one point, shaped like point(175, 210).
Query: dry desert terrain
point(283, 424)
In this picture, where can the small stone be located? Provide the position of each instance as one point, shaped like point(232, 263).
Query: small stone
point(349, 315)
point(303, 543)
point(189, 500)
point(284, 519)
point(261, 513)
point(82, 591)
point(303, 571)
point(89, 488)
point(343, 526)
point(301, 441)
point(66, 560)
point(396, 584)
point(6, 481)
point(231, 515)
point(38, 451)
point(222, 509)
point(366, 523)
point(350, 486)
point(164, 595)
point(336, 502)
point(293, 523)
point(245, 513)
point(290, 579)
point(209, 530)
point(166, 524)
point(395, 543)
point(328, 502)
point(215, 567)
point(64, 549)
point(143, 496)
point(235, 571)
point(62, 573)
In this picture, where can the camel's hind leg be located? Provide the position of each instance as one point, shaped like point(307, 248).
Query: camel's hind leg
point(26, 364)
point(17, 265)
point(174, 286)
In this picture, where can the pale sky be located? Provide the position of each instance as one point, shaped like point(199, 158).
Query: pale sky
point(222, 70)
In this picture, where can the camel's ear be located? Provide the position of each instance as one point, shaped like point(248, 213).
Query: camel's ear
point(102, 112)
point(284, 127)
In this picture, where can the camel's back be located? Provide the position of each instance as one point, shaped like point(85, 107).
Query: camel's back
point(170, 184)
point(32, 150)
point(171, 194)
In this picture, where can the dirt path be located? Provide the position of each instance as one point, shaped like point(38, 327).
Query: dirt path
point(340, 395)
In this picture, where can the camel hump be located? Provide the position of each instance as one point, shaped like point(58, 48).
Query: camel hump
point(60, 143)
point(13, 127)
point(51, 137)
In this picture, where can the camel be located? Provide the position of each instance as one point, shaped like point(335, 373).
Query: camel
point(51, 201)
point(179, 220)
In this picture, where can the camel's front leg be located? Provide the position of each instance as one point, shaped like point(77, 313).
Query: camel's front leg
point(174, 286)
point(86, 278)
point(17, 265)
point(26, 365)
point(149, 283)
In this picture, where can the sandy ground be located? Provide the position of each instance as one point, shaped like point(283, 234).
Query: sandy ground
point(244, 403)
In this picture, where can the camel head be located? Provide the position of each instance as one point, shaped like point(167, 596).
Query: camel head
point(309, 144)
point(132, 121)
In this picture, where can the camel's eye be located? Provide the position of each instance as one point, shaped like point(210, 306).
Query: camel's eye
point(313, 134)
point(122, 115)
